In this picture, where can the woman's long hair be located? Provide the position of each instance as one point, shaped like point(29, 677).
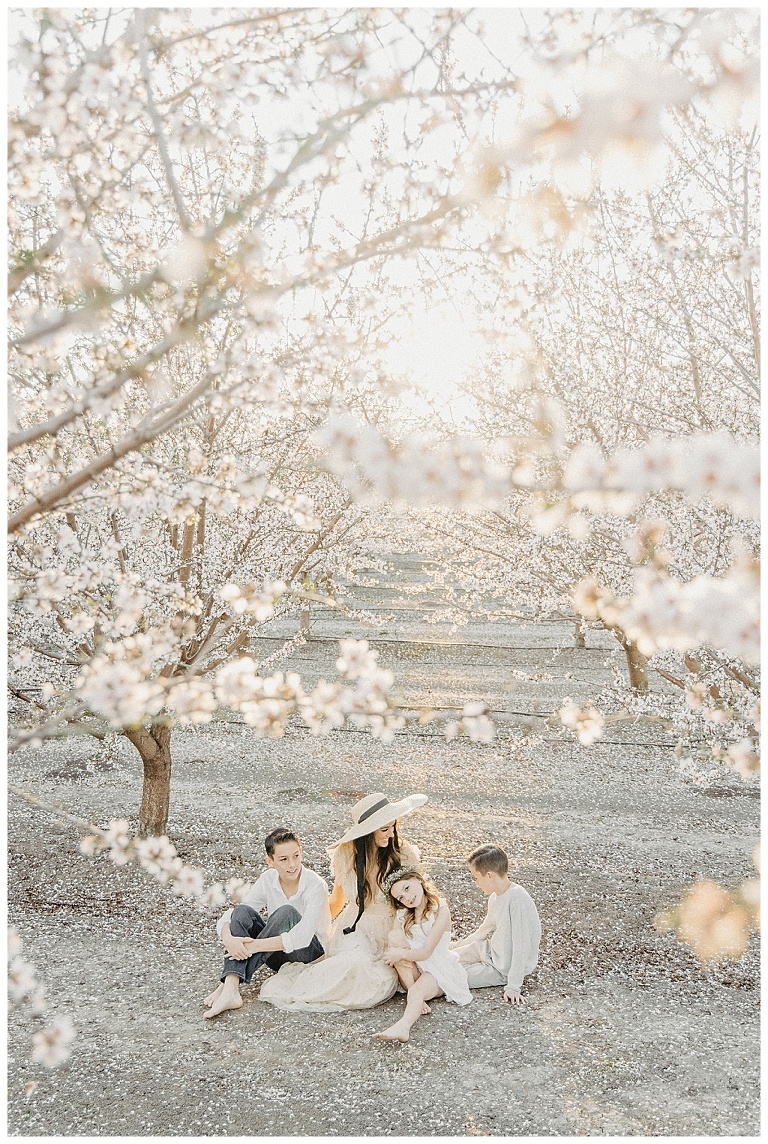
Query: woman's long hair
point(379, 861)
point(371, 864)
point(430, 905)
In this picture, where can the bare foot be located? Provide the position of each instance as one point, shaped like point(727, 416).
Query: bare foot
point(396, 1032)
point(223, 1002)
point(425, 1009)
point(209, 1000)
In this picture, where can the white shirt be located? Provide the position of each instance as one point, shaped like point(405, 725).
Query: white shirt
point(310, 899)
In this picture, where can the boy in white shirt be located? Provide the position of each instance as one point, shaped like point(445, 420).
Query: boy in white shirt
point(298, 921)
point(505, 947)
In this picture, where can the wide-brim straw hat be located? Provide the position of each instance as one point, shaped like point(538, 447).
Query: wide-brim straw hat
point(375, 811)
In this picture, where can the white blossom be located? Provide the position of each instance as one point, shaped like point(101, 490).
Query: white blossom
point(357, 659)
point(251, 600)
point(15, 944)
point(237, 682)
point(21, 978)
point(213, 897)
point(117, 834)
point(743, 758)
point(267, 716)
point(188, 882)
point(235, 889)
point(192, 701)
point(118, 691)
point(91, 845)
point(322, 708)
point(586, 722)
point(52, 1046)
point(476, 724)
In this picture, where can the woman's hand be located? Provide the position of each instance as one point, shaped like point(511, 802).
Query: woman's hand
point(392, 955)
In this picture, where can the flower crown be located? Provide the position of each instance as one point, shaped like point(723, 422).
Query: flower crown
point(398, 875)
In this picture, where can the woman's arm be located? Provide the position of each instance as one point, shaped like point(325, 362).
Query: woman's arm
point(337, 899)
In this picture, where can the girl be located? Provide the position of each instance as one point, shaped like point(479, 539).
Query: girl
point(353, 974)
point(419, 950)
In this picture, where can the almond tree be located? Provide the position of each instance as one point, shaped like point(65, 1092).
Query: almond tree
point(638, 324)
point(210, 214)
point(204, 207)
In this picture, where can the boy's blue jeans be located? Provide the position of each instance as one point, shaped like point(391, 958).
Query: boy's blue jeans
point(246, 922)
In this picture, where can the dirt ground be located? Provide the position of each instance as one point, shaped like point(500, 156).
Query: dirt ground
point(623, 1034)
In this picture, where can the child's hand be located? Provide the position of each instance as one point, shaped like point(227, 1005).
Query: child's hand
point(514, 998)
point(235, 947)
point(393, 955)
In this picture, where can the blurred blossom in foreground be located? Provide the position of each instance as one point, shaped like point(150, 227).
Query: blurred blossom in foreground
point(414, 473)
point(473, 722)
point(586, 722)
point(618, 122)
point(713, 921)
point(51, 1044)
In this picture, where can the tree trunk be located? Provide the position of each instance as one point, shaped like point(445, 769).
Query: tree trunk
point(636, 664)
point(579, 635)
point(154, 746)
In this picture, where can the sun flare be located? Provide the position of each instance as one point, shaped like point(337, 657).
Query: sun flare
point(434, 352)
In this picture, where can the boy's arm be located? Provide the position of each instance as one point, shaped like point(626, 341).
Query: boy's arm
point(234, 946)
point(522, 930)
point(303, 932)
point(484, 930)
point(255, 897)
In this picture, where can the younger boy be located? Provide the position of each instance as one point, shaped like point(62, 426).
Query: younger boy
point(297, 927)
point(505, 947)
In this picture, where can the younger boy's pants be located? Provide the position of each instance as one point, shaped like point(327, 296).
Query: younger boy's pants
point(246, 922)
point(476, 959)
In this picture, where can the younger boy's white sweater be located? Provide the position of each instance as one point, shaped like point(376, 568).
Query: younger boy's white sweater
point(512, 930)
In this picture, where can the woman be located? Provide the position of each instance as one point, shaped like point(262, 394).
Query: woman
point(354, 974)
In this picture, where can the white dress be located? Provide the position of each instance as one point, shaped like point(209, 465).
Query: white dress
point(353, 974)
point(442, 963)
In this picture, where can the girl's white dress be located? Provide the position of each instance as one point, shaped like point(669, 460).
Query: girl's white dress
point(442, 963)
point(353, 974)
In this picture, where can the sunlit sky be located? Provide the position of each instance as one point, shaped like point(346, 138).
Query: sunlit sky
point(435, 349)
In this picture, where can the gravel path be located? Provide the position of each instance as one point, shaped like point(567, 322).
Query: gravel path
point(624, 1034)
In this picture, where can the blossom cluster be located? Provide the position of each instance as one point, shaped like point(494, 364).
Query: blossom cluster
point(457, 475)
point(118, 689)
point(121, 682)
point(51, 1043)
point(713, 465)
point(606, 121)
point(585, 721)
point(157, 856)
point(266, 703)
point(253, 599)
point(663, 612)
point(713, 921)
point(414, 473)
point(473, 722)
